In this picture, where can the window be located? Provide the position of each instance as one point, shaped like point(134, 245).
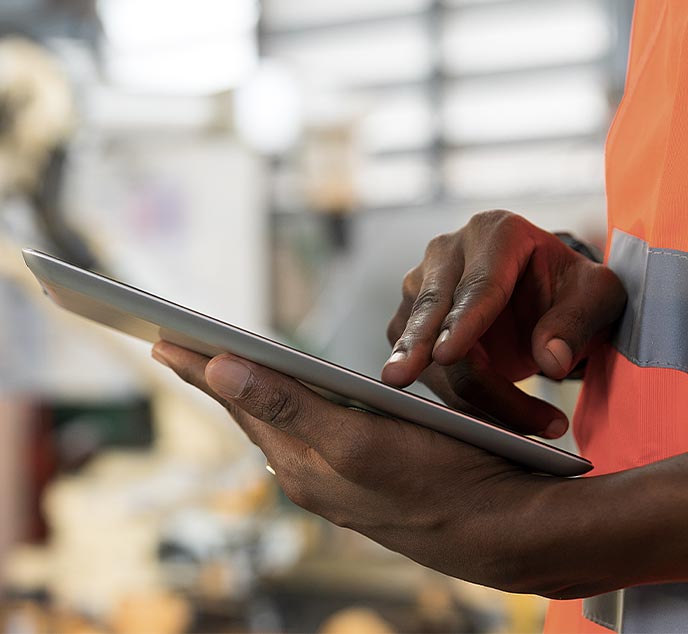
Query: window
point(458, 99)
point(178, 47)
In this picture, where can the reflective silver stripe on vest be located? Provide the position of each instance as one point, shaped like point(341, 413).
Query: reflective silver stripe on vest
point(605, 610)
point(652, 332)
point(660, 609)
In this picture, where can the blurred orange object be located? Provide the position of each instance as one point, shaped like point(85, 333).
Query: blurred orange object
point(161, 613)
point(359, 620)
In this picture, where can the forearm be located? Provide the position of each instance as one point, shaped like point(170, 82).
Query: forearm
point(593, 535)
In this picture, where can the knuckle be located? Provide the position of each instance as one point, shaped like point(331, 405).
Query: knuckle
point(479, 283)
point(506, 218)
point(456, 314)
point(411, 283)
point(280, 408)
point(494, 220)
point(487, 217)
point(577, 324)
point(452, 317)
point(440, 243)
point(427, 299)
point(610, 283)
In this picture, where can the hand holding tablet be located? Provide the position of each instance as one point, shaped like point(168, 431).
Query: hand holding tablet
point(151, 318)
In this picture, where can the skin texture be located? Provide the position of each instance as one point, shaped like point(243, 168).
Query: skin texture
point(446, 504)
point(494, 303)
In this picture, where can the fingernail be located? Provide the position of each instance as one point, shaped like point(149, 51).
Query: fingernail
point(228, 377)
point(556, 429)
point(561, 352)
point(159, 358)
point(444, 335)
point(396, 357)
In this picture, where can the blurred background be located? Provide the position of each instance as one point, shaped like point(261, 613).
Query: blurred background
point(280, 165)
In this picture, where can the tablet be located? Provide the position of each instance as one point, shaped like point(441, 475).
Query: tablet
point(135, 312)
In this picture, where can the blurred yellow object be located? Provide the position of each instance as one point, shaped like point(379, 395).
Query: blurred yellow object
point(244, 501)
point(436, 603)
point(217, 581)
point(524, 613)
point(356, 621)
point(27, 568)
point(37, 112)
point(69, 623)
point(159, 613)
point(328, 160)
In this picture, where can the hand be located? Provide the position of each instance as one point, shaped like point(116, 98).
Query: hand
point(443, 503)
point(448, 505)
point(494, 303)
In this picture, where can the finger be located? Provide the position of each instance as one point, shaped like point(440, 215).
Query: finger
point(343, 437)
point(187, 365)
point(590, 300)
point(508, 404)
point(493, 398)
point(396, 325)
point(435, 378)
point(412, 352)
point(306, 478)
point(492, 268)
point(263, 401)
point(190, 367)
point(284, 453)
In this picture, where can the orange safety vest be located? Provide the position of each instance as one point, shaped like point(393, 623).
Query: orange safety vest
point(634, 401)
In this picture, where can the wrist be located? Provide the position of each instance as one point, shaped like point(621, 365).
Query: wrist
point(496, 540)
point(593, 535)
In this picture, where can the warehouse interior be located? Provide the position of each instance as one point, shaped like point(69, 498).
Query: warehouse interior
point(279, 165)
